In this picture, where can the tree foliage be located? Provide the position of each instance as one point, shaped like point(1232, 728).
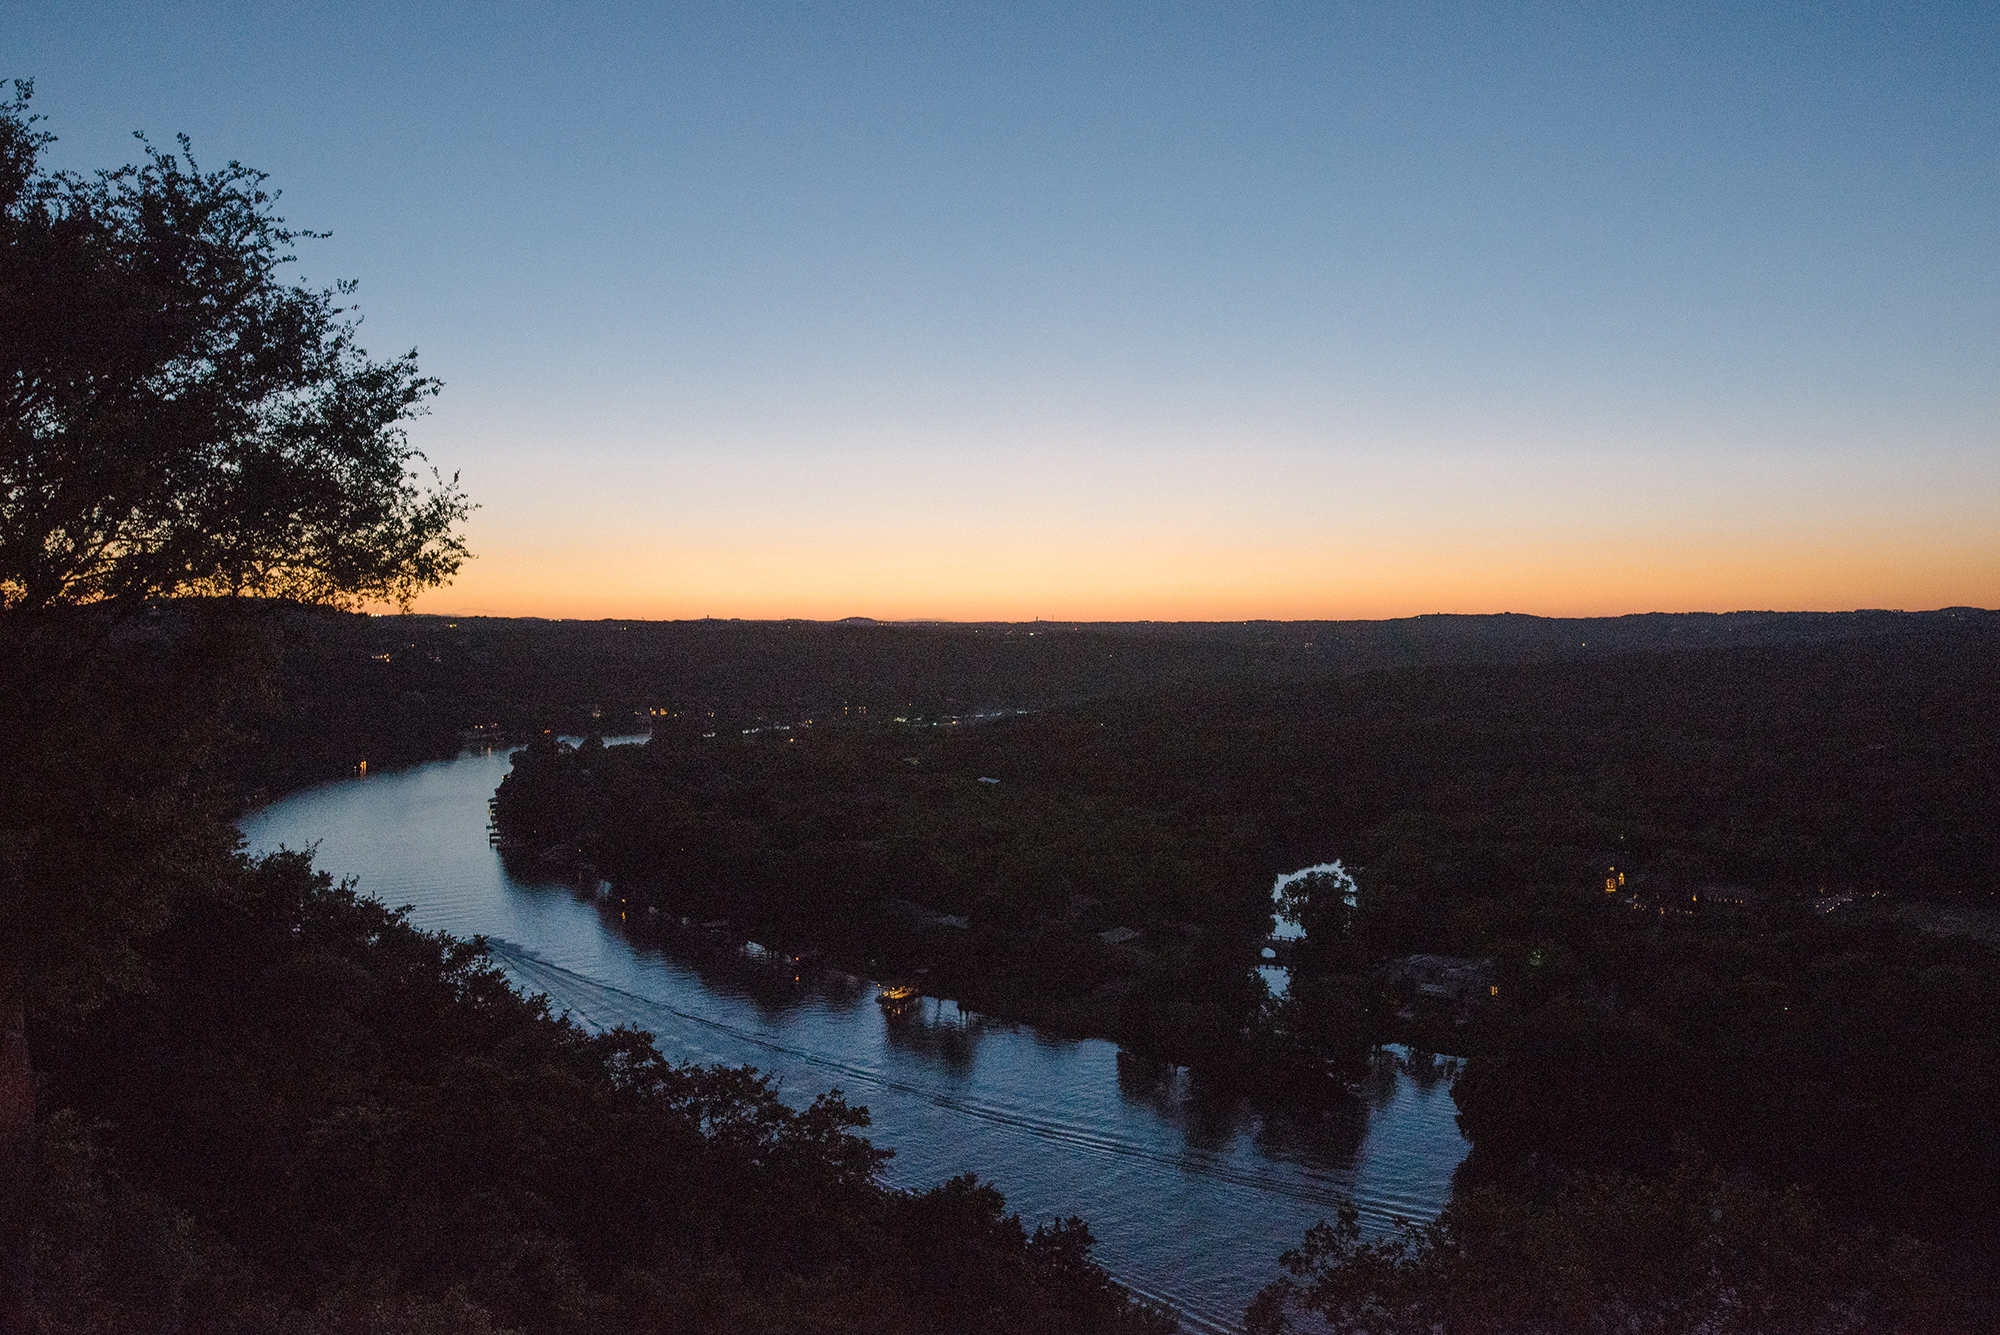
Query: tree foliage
point(1685, 1251)
point(175, 417)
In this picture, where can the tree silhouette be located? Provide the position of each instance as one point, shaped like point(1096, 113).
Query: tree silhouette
point(175, 420)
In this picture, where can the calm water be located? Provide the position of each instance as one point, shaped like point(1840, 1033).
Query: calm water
point(1191, 1198)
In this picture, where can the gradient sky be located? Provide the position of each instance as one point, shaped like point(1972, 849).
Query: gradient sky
point(1148, 310)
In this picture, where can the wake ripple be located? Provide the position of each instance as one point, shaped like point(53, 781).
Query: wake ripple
point(1316, 1189)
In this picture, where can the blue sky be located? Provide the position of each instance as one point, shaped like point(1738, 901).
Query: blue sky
point(1141, 310)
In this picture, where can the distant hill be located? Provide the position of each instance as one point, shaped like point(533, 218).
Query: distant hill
point(395, 689)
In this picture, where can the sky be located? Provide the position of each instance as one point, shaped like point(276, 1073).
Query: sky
point(1138, 311)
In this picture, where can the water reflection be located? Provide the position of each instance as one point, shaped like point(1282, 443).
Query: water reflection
point(1427, 1070)
point(935, 1031)
point(1157, 1084)
point(1329, 1136)
point(1324, 1138)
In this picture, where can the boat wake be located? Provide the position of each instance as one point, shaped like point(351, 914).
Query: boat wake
point(593, 1003)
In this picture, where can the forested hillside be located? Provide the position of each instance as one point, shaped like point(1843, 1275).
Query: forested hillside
point(394, 689)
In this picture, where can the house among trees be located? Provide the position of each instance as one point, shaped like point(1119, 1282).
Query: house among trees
point(1443, 977)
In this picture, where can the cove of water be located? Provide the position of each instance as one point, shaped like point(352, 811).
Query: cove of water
point(1190, 1196)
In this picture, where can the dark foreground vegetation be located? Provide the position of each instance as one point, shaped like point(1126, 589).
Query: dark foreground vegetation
point(1684, 1251)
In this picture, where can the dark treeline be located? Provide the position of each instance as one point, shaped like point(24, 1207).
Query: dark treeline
point(1752, 990)
point(1689, 1250)
point(393, 690)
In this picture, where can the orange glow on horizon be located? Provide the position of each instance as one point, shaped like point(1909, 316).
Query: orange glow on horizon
point(1068, 579)
point(1212, 523)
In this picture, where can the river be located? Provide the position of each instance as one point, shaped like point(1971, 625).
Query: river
point(1191, 1197)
